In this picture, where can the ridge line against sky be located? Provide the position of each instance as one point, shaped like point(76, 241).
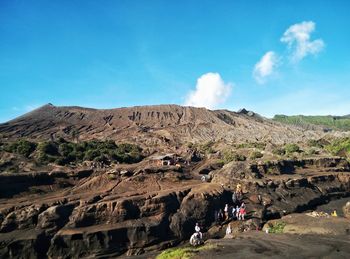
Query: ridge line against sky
point(287, 58)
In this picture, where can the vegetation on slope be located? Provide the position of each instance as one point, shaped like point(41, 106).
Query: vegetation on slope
point(63, 152)
point(184, 252)
point(340, 147)
point(334, 122)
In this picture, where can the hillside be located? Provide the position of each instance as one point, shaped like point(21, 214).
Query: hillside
point(308, 122)
point(86, 183)
point(152, 125)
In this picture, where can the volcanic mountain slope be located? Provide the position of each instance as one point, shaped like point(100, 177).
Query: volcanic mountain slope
point(152, 125)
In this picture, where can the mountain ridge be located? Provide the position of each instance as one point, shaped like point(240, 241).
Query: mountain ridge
point(152, 124)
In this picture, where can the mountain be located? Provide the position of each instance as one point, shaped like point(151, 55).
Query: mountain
point(327, 122)
point(152, 125)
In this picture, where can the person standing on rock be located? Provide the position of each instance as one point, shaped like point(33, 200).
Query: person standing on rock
point(226, 211)
point(233, 212)
point(198, 230)
point(242, 213)
point(220, 215)
point(234, 198)
point(216, 216)
point(237, 212)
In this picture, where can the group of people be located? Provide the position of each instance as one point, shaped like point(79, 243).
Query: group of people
point(234, 212)
point(237, 211)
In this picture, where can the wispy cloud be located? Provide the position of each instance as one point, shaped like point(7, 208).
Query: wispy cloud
point(210, 91)
point(297, 37)
point(265, 67)
point(31, 107)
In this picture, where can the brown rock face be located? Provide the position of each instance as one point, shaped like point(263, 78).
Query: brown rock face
point(101, 216)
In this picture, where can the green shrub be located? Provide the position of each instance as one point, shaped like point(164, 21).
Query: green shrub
point(207, 148)
point(229, 156)
point(277, 228)
point(65, 148)
point(291, 148)
point(255, 155)
point(279, 151)
point(340, 147)
point(314, 143)
point(91, 154)
point(258, 145)
point(64, 152)
point(21, 147)
point(335, 122)
point(184, 252)
point(48, 148)
point(44, 159)
point(190, 145)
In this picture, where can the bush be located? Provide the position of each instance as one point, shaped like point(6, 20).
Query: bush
point(314, 143)
point(207, 148)
point(257, 145)
point(48, 148)
point(91, 154)
point(279, 151)
point(277, 228)
point(44, 159)
point(230, 155)
point(312, 151)
point(21, 147)
point(256, 154)
point(65, 148)
point(64, 152)
point(184, 252)
point(340, 147)
point(291, 148)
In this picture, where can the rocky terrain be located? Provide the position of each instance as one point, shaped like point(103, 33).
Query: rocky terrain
point(118, 206)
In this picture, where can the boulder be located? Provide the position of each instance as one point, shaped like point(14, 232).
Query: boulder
point(346, 210)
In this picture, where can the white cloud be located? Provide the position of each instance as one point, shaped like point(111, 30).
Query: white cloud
point(297, 37)
point(265, 67)
point(210, 91)
point(31, 107)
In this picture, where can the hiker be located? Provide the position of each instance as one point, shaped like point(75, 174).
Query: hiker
point(216, 217)
point(237, 212)
point(196, 240)
point(233, 212)
point(226, 211)
point(234, 198)
point(239, 188)
point(220, 215)
point(239, 196)
point(259, 198)
point(228, 229)
point(198, 230)
point(243, 205)
point(242, 213)
point(334, 213)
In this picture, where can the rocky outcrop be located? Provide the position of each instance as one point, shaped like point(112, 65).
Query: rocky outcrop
point(346, 210)
point(146, 209)
point(287, 186)
point(107, 223)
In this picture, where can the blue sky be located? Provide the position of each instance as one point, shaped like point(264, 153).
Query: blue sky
point(108, 54)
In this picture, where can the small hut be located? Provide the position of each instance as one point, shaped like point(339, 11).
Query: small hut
point(167, 159)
